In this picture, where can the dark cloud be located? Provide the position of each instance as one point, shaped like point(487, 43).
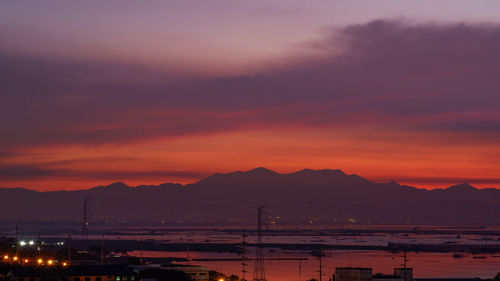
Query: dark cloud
point(32, 172)
point(389, 74)
point(27, 171)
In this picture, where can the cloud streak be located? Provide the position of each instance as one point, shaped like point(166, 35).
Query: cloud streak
point(32, 172)
point(389, 74)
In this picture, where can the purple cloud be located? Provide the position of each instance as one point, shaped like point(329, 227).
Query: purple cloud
point(389, 74)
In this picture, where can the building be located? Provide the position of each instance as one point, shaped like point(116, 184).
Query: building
point(352, 274)
point(365, 274)
point(405, 273)
point(195, 272)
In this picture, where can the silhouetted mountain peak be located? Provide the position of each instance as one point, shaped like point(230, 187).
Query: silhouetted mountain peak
point(118, 185)
point(323, 172)
point(462, 187)
point(114, 186)
point(261, 171)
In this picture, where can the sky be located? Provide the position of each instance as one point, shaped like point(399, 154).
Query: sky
point(94, 92)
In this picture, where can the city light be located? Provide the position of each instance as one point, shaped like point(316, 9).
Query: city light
point(26, 260)
point(5, 257)
point(22, 243)
point(39, 261)
point(50, 262)
point(31, 242)
point(14, 258)
point(64, 264)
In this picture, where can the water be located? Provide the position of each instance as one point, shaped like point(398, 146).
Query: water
point(425, 265)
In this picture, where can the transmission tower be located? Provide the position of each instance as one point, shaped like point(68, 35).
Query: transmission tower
point(85, 219)
point(243, 256)
point(259, 273)
point(320, 265)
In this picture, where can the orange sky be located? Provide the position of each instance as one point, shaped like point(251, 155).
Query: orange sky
point(419, 160)
point(174, 91)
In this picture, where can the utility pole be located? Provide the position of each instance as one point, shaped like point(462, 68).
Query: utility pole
point(17, 239)
point(259, 273)
point(188, 254)
point(69, 247)
point(405, 260)
point(102, 249)
point(300, 269)
point(320, 265)
point(141, 246)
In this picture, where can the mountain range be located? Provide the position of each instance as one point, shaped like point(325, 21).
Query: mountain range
point(304, 197)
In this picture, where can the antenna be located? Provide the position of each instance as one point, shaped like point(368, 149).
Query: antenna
point(259, 273)
point(243, 257)
point(85, 220)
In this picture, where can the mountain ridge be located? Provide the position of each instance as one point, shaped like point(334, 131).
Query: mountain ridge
point(306, 196)
point(255, 171)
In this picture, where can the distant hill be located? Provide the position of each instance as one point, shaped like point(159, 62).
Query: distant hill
point(306, 196)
